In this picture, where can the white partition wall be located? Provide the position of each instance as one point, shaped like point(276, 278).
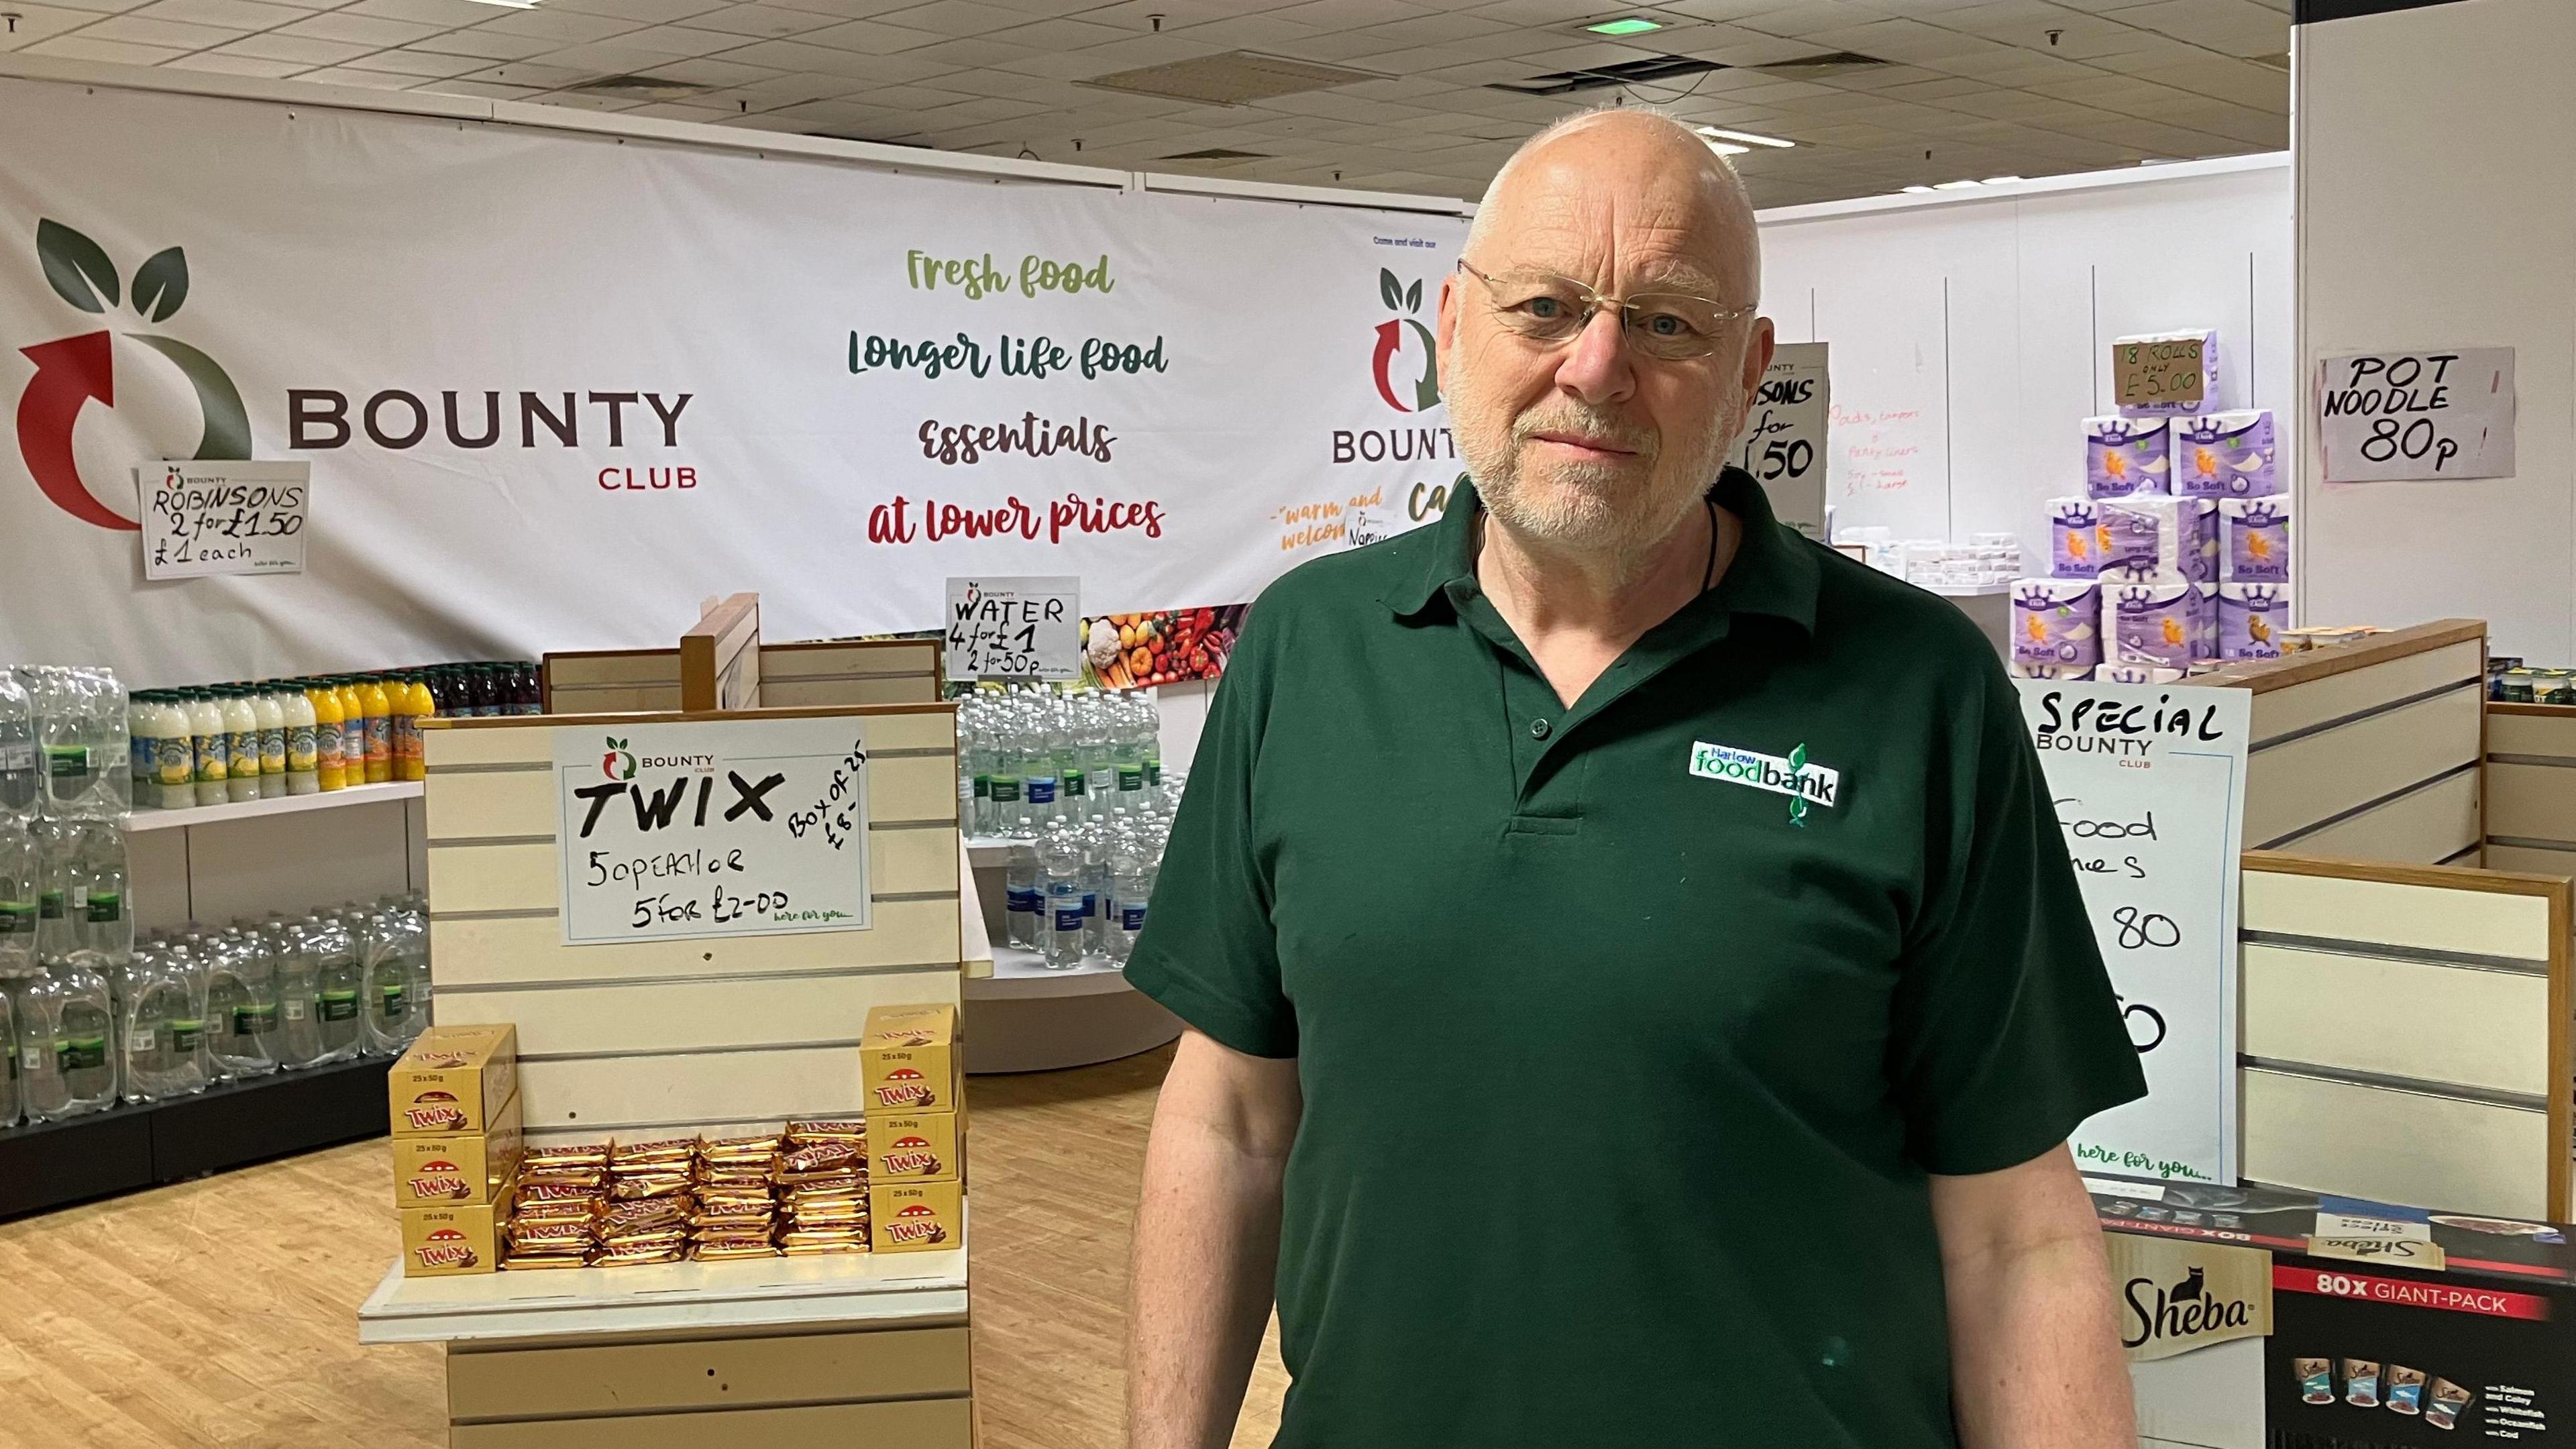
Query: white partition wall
point(1971, 330)
point(2434, 211)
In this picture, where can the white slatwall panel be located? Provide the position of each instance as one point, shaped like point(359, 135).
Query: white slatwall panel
point(2278, 712)
point(2475, 1028)
point(2531, 802)
point(2428, 827)
point(2394, 1146)
point(2425, 918)
point(2291, 786)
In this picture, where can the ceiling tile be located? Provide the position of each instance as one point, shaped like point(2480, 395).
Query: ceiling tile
point(445, 14)
point(762, 22)
point(365, 29)
point(73, 47)
point(137, 30)
point(220, 64)
point(41, 22)
point(489, 44)
point(968, 53)
point(674, 40)
point(480, 90)
point(1267, 33)
point(303, 50)
point(538, 73)
point(871, 37)
point(564, 25)
point(233, 14)
point(956, 18)
point(715, 71)
point(651, 12)
point(418, 64)
point(371, 80)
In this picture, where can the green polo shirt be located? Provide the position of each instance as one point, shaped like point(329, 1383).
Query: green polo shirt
point(1623, 1067)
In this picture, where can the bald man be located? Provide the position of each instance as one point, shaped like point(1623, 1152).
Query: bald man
point(1637, 993)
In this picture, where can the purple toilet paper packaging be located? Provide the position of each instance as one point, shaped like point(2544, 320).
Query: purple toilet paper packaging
point(2057, 624)
point(2153, 539)
point(2223, 455)
point(2258, 538)
point(2204, 652)
point(2076, 539)
point(2168, 343)
point(2136, 674)
point(2021, 670)
point(2250, 620)
point(2158, 625)
point(2124, 456)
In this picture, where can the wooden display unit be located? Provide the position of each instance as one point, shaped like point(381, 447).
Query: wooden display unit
point(677, 1037)
point(2531, 787)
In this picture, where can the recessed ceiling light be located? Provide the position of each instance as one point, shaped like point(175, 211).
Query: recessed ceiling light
point(1956, 185)
point(1918, 190)
point(510, 4)
point(1999, 181)
point(1729, 148)
point(1747, 137)
point(1624, 25)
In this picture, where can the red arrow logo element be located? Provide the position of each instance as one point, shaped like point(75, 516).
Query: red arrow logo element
point(69, 373)
point(1390, 336)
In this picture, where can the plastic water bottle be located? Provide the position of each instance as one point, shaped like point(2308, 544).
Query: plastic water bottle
point(1039, 774)
point(18, 774)
point(1025, 891)
point(1094, 839)
point(394, 951)
point(67, 1058)
point(102, 916)
point(1060, 864)
point(164, 1036)
point(19, 874)
point(241, 1005)
point(9, 1071)
point(339, 989)
point(1132, 868)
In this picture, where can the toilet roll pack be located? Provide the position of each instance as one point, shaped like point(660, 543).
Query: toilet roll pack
point(2164, 625)
point(2223, 455)
point(2056, 628)
point(2250, 620)
point(2152, 538)
point(2123, 456)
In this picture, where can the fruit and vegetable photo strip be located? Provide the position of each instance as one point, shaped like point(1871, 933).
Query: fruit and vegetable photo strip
point(1159, 646)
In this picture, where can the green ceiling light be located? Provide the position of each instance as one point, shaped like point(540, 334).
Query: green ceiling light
point(1624, 25)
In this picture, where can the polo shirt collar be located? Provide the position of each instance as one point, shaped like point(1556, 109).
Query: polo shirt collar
point(1773, 573)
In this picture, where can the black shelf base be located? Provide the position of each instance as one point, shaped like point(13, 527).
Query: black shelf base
point(57, 1164)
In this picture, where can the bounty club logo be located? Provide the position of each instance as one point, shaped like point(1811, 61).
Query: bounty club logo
point(1424, 391)
point(618, 763)
point(72, 372)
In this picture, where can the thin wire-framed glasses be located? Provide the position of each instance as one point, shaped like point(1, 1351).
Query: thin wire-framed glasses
point(1553, 310)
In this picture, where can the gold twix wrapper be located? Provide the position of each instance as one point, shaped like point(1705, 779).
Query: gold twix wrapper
point(908, 1059)
point(917, 1217)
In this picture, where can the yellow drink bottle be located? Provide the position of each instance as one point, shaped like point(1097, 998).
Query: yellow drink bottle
point(379, 712)
point(353, 729)
point(329, 722)
point(415, 705)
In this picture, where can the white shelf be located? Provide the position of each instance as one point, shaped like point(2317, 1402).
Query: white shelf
point(282, 805)
point(667, 1297)
point(1966, 591)
point(1023, 975)
point(989, 852)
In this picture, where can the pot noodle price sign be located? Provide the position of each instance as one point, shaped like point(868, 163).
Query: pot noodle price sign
point(1014, 628)
point(2148, 783)
point(2445, 413)
point(223, 517)
point(743, 827)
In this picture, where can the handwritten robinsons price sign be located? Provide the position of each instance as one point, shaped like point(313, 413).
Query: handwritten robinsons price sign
point(1014, 628)
point(743, 827)
point(223, 517)
point(1784, 437)
point(2148, 782)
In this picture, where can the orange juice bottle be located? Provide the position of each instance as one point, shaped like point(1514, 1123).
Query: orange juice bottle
point(379, 712)
point(353, 728)
point(328, 730)
point(412, 704)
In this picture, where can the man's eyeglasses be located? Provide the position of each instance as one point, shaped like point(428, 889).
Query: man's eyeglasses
point(1553, 310)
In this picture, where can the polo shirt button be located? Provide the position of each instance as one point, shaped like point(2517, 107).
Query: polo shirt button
point(1539, 729)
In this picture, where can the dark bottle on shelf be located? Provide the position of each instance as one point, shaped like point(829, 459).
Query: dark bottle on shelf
point(527, 688)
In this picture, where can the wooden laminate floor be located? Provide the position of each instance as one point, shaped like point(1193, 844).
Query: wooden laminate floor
point(224, 1312)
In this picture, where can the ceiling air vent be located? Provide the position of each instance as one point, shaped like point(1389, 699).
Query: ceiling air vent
point(640, 88)
point(1831, 62)
point(1232, 79)
point(1219, 153)
point(1626, 72)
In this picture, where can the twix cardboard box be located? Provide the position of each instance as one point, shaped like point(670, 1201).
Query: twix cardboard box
point(454, 1079)
point(443, 1242)
point(460, 1169)
point(918, 1147)
point(916, 1217)
point(908, 1061)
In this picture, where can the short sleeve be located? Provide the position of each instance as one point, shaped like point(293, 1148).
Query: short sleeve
point(1208, 952)
point(2006, 1033)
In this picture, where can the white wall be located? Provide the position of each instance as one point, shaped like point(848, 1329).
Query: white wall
point(2437, 206)
point(1971, 331)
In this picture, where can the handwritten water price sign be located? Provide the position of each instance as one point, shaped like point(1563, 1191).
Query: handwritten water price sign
point(1014, 628)
point(223, 517)
point(747, 827)
point(2386, 416)
point(2148, 782)
point(1784, 436)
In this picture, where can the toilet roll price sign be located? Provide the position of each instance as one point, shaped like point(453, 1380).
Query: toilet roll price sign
point(2394, 416)
point(2148, 783)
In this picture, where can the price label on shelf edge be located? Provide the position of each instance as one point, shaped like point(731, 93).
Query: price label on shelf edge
point(1784, 435)
point(222, 517)
point(1014, 628)
point(2148, 784)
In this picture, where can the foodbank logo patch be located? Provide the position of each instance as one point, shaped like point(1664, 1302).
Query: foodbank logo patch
point(74, 371)
point(1805, 783)
point(1386, 364)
